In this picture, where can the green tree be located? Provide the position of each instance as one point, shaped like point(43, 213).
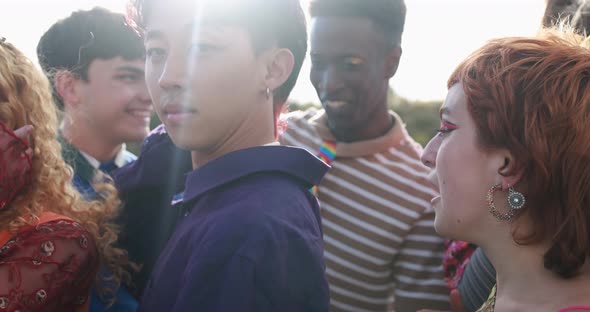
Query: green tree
point(296, 106)
point(421, 117)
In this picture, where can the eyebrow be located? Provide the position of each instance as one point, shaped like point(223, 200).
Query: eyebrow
point(131, 69)
point(206, 28)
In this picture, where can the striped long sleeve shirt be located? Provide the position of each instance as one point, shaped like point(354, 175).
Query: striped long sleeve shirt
point(381, 250)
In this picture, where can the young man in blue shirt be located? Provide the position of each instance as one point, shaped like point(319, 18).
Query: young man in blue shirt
point(95, 62)
point(250, 238)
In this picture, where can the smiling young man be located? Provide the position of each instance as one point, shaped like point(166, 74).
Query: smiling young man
point(250, 237)
point(378, 225)
point(95, 62)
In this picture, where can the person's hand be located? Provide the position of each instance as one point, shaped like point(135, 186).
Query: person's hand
point(456, 303)
point(15, 162)
point(23, 133)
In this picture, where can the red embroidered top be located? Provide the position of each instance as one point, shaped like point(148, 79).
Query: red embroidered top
point(456, 258)
point(49, 267)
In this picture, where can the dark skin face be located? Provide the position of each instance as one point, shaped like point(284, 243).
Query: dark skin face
point(351, 67)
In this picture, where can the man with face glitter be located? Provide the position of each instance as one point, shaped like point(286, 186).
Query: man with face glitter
point(378, 225)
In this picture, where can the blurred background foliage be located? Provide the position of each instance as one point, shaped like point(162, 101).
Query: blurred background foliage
point(421, 118)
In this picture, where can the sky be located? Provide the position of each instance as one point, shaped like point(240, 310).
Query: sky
point(438, 35)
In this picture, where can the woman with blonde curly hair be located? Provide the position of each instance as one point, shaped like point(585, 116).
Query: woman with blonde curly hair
point(512, 161)
point(52, 242)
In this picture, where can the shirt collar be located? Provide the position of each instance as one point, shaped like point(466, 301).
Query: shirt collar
point(119, 158)
point(395, 137)
point(293, 161)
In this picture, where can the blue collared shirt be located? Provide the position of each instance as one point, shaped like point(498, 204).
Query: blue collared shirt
point(251, 239)
point(85, 167)
point(146, 188)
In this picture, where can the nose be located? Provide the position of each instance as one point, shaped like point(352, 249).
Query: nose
point(174, 73)
point(428, 157)
point(144, 95)
point(330, 81)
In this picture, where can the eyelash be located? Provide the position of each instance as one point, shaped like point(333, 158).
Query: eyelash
point(128, 77)
point(445, 128)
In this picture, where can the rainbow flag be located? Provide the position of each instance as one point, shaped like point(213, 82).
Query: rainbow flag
point(327, 153)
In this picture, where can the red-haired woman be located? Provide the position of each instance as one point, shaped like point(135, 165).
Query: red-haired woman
point(512, 161)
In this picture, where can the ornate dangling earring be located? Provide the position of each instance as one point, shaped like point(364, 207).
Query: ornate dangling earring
point(515, 202)
point(515, 199)
point(267, 93)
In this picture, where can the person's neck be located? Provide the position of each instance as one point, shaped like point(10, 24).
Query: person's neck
point(255, 131)
point(89, 141)
point(524, 284)
point(381, 123)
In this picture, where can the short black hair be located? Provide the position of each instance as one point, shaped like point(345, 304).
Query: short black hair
point(389, 16)
point(74, 42)
point(269, 22)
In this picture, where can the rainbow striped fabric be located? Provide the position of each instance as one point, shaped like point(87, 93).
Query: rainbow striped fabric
point(327, 153)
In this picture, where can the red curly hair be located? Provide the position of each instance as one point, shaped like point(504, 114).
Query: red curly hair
point(532, 97)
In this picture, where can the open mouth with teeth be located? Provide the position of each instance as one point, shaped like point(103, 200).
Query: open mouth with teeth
point(335, 104)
